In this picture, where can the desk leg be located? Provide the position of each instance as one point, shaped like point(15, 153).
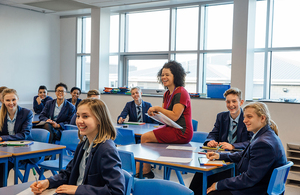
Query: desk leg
point(5, 167)
point(141, 170)
point(60, 160)
point(204, 185)
point(16, 168)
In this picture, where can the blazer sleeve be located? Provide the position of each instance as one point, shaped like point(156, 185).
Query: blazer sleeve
point(36, 107)
point(45, 113)
point(241, 145)
point(214, 134)
point(261, 158)
point(125, 111)
point(22, 129)
point(70, 111)
point(112, 176)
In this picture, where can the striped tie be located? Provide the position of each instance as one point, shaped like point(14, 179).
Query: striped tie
point(234, 132)
point(139, 114)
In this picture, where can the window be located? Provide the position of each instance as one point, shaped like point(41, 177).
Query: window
point(83, 53)
point(277, 46)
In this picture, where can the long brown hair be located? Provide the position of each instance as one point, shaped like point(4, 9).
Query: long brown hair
point(106, 128)
point(3, 110)
point(261, 109)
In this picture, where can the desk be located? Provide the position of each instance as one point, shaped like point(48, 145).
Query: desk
point(149, 152)
point(138, 129)
point(35, 119)
point(37, 149)
point(15, 189)
point(4, 159)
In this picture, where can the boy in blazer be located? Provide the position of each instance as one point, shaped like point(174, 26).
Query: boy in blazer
point(131, 108)
point(229, 129)
point(40, 100)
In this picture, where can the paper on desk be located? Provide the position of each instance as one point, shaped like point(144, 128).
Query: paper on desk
point(46, 192)
point(174, 159)
point(181, 148)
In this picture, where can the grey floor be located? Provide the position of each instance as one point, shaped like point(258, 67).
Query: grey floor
point(159, 175)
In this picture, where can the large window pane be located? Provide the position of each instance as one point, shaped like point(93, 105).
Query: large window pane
point(260, 24)
point(218, 68)
point(285, 75)
point(219, 27)
point(258, 75)
point(86, 35)
point(286, 23)
point(148, 31)
point(189, 63)
point(114, 33)
point(83, 66)
point(143, 73)
point(187, 32)
point(113, 71)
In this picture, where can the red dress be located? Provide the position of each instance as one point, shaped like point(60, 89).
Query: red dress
point(167, 134)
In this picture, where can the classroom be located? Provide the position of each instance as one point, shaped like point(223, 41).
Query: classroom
point(39, 45)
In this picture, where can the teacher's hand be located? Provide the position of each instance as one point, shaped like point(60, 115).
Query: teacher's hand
point(153, 110)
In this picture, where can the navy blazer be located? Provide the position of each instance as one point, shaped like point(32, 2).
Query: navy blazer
point(39, 108)
point(103, 174)
point(256, 164)
point(22, 127)
point(221, 130)
point(63, 117)
point(130, 109)
point(77, 102)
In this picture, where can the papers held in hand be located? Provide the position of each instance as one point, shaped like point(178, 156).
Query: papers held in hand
point(160, 117)
point(206, 162)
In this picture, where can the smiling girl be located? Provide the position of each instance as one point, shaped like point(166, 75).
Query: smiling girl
point(96, 166)
point(75, 93)
point(257, 162)
point(15, 122)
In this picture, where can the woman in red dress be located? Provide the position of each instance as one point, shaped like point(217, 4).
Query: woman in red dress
point(176, 106)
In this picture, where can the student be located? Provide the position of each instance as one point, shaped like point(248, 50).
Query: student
point(75, 93)
point(15, 122)
point(57, 113)
point(257, 162)
point(135, 107)
point(1, 89)
point(96, 166)
point(176, 106)
point(229, 129)
point(93, 93)
point(40, 100)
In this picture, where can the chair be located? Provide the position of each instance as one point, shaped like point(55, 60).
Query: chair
point(70, 127)
point(40, 135)
point(128, 162)
point(124, 136)
point(278, 179)
point(199, 136)
point(159, 187)
point(195, 124)
point(70, 140)
point(128, 182)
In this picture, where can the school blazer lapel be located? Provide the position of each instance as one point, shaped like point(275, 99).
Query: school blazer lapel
point(62, 110)
point(133, 110)
point(18, 119)
point(88, 164)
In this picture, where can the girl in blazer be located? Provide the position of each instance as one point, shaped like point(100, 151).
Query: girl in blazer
point(75, 93)
point(257, 162)
point(96, 166)
point(15, 122)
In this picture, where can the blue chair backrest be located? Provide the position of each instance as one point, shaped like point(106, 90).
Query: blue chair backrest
point(199, 136)
point(128, 162)
point(70, 140)
point(70, 127)
point(278, 179)
point(128, 182)
point(159, 187)
point(124, 136)
point(40, 135)
point(195, 124)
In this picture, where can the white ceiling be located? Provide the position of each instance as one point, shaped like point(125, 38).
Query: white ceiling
point(73, 7)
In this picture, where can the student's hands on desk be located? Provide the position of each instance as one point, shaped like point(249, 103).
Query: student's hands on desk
point(44, 184)
point(121, 120)
point(225, 145)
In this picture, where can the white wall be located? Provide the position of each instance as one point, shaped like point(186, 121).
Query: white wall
point(29, 51)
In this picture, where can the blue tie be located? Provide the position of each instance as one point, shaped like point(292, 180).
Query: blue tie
point(234, 132)
point(139, 114)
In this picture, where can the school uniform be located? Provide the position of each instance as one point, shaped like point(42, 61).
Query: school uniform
point(77, 102)
point(38, 108)
point(102, 175)
point(221, 130)
point(256, 164)
point(130, 109)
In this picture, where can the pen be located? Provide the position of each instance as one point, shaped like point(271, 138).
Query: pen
point(218, 149)
point(34, 173)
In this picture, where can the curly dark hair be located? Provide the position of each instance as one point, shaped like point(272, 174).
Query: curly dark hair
point(177, 70)
point(61, 85)
point(76, 88)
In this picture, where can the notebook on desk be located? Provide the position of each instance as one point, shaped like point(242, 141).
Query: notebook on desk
point(206, 162)
point(16, 143)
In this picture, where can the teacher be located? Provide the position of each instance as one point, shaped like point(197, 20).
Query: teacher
point(176, 105)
